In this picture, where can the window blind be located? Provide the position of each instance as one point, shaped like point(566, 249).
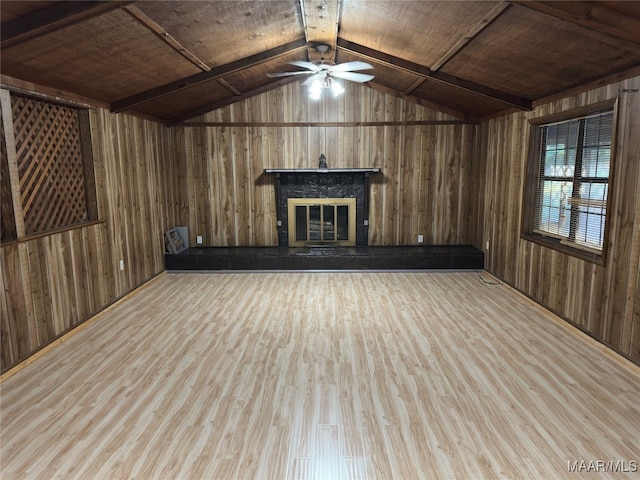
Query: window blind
point(573, 180)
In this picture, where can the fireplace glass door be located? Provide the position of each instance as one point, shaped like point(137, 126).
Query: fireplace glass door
point(322, 221)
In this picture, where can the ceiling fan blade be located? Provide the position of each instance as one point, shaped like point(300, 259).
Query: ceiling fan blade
point(350, 67)
point(353, 77)
point(303, 64)
point(286, 74)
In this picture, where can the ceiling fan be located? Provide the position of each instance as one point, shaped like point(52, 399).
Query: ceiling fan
point(323, 74)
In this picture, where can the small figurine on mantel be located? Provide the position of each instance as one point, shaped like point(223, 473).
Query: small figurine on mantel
point(322, 162)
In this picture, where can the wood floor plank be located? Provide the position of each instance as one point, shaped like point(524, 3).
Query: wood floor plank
point(321, 375)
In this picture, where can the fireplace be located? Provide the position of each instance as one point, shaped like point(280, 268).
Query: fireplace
point(320, 207)
point(322, 221)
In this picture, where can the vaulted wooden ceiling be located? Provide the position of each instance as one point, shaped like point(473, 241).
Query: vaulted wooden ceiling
point(174, 60)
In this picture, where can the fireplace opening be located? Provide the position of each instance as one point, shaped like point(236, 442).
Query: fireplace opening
point(322, 221)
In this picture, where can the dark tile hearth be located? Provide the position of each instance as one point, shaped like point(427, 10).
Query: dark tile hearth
point(437, 257)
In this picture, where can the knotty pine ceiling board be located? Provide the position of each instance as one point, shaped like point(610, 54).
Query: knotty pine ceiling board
point(425, 88)
point(626, 7)
point(511, 52)
point(227, 86)
point(105, 58)
point(185, 100)
point(12, 10)
point(532, 55)
point(418, 31)
point(256, 76)
point(458, 99)
point(220, 32)
point(244, 81)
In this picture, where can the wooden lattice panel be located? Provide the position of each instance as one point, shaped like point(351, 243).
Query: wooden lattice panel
point(50, 164)
point(7, 220)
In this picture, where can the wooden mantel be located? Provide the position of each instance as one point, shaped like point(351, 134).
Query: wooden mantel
point(322, 170)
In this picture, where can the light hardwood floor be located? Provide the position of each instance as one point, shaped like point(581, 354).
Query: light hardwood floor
point(321, 376)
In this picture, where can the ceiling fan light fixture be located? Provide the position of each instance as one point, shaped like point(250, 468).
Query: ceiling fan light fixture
point(315, 90)
point(324, 83)
point(336, 88)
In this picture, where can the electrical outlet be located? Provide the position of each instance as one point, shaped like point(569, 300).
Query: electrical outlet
point(199, 239)
point(420, 238)
point(121, 264)
point(486, 247)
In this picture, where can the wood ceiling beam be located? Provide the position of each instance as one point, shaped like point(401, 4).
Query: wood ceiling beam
point(320, 19)
point(172, 87)
point(54, 18)
point(594, 17)
point(421, 70)
point(165, 36)
point(228, 101)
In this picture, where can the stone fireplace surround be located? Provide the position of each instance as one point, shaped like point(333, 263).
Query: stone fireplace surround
point(323, 183)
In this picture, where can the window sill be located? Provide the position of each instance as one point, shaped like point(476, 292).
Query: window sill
point(562, 247)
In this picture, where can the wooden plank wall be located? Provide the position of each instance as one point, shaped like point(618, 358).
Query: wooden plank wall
point(51, 283)
point(424, 190)
point(602, 300)
point(451, 183)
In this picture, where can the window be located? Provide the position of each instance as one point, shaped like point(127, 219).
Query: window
point(568, 182)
